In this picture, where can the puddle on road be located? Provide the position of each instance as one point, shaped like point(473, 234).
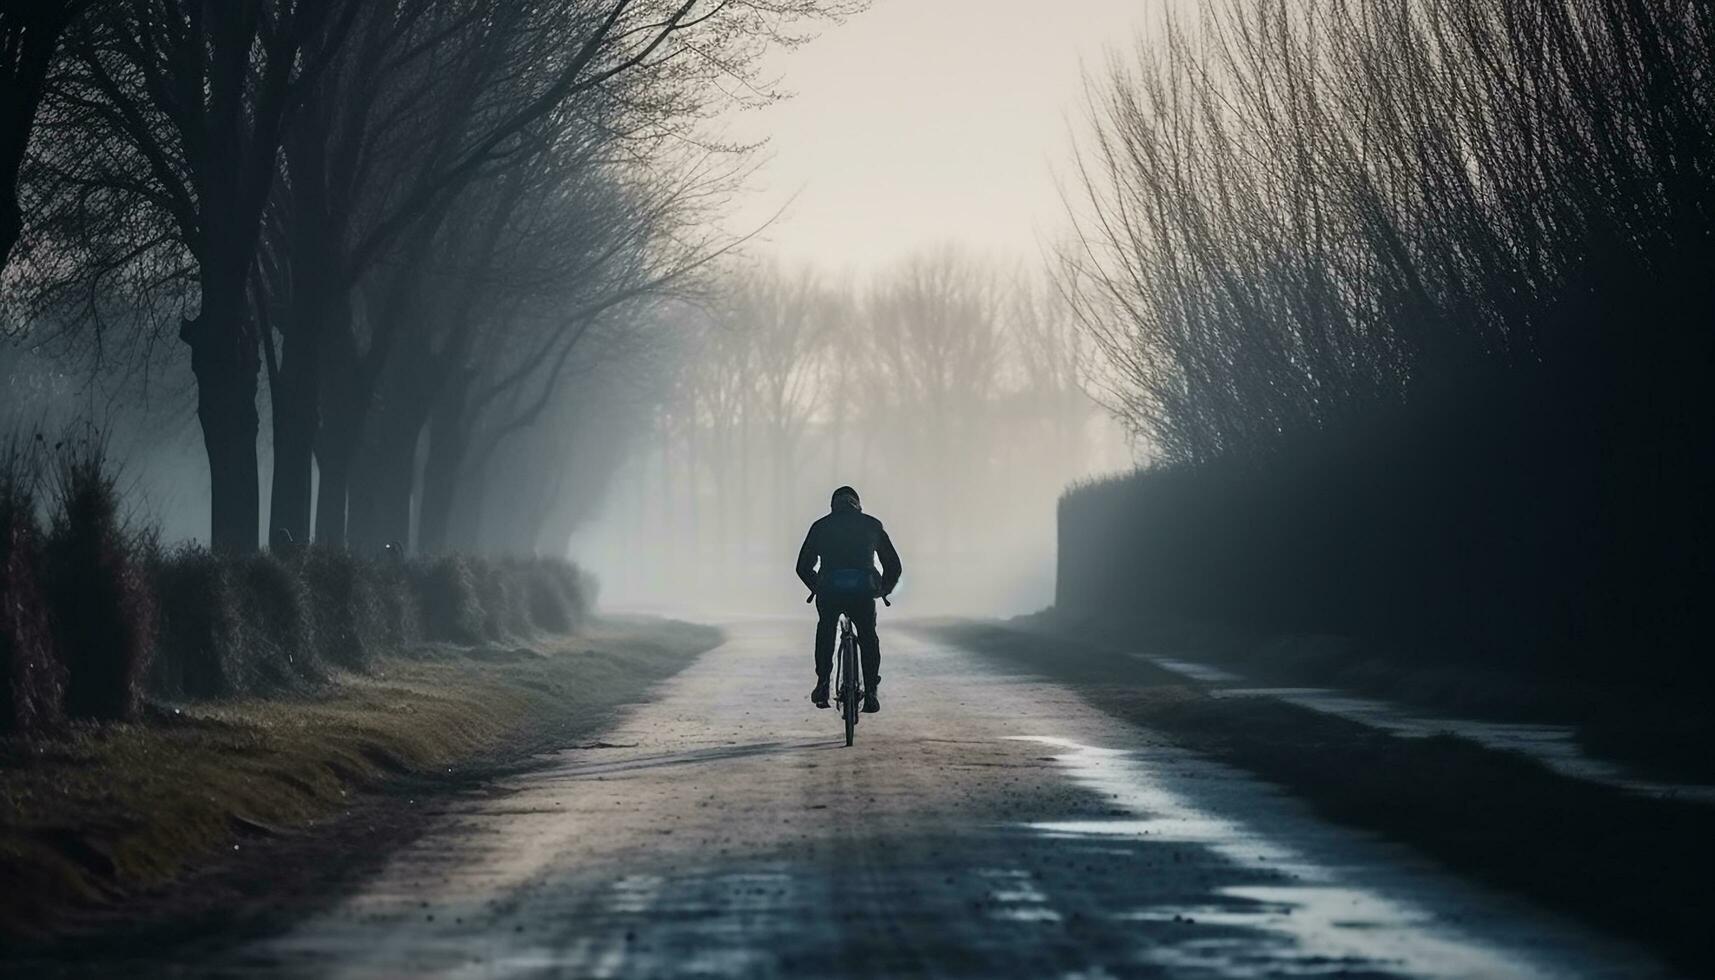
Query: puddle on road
point(1016, 897)
point(1192, 669)
point(1555, 746)
point(1324, 923)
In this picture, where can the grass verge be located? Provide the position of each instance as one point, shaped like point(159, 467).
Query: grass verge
point(1640, 868)
point(132, 825)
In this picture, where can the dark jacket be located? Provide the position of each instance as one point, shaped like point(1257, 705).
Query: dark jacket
point(848, 538)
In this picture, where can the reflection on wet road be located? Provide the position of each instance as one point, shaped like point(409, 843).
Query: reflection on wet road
point(1555, 746)
point(984, 826)
point(1322, 916)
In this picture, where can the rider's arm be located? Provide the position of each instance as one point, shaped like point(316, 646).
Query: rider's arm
point(807, 560)
point(891, 569)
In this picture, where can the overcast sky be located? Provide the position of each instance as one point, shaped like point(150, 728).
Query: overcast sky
point(927, 121)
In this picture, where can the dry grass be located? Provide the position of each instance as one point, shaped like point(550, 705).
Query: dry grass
point(107, 811)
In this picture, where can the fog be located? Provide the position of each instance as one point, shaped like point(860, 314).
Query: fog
point(918, 123)
point(959, 431)
point(655, 343)
point(945, 389)
point(1349, 355)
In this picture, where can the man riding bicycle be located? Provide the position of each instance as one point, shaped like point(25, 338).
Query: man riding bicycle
point(837, 563)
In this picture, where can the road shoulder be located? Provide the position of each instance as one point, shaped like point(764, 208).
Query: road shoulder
point(224, 818)
point(1638, 867)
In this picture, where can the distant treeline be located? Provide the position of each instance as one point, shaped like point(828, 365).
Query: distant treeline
point(943, 385)
point(1412, 300)
point(96, 618)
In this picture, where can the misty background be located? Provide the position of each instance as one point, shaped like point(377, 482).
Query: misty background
point(905, 337)
point(648, 312)
point(855, 292)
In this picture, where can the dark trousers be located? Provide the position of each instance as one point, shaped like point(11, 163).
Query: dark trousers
point(861, 609)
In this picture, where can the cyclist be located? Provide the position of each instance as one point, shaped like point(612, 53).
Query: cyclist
point(837, 563)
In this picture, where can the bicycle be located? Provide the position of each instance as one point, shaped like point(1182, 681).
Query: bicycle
point(847, 673)
point(846, 690)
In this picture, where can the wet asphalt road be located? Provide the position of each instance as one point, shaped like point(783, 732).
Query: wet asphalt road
point(985, 825)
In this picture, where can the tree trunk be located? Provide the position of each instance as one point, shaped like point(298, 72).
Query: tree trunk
point(11, 222)
point(320, 308)
point(14, 137)
point(294, 448)
point(467, 521)
point(344, 413)
point(29, 37)
point(333, 464)
point(449, 438)
point(383, 478)
point(224, 361)
point(295, 419)
point(380, 500)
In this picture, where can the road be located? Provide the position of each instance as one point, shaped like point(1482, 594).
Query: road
point(985, 825)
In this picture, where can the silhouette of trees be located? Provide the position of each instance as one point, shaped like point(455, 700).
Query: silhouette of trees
point(30, 33)
point(1054, 362)
point(181, 109)
point(392, 211)
point(1308, 212)
point(954, 403)
point(785, 319)
point(1415, 292)
point(935, 321)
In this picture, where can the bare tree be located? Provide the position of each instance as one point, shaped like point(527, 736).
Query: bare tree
point(784, 317)
point(177, 110)
point(1052, 359)
point(1435, 269)
point(163, 183)
point(638, 72)
point(935, 319)
point(594, 250)
point(957, 402)
point(30, 34)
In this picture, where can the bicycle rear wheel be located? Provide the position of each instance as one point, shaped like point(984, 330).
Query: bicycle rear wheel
point(849, 683)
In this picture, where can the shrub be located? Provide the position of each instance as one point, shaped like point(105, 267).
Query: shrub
point(550, 605)
point(470, 600)
point(504, 590)
point(1469, 537)
point(202, 649)
point(446, 592)
point(32, 679)
point(401, 609)
point(560, 594)
point(279, 620)
point(102, 609)
point(348, 606)
point(96, 615)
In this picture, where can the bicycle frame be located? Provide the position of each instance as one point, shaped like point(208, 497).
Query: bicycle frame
point(846, 682)
point(847, 691)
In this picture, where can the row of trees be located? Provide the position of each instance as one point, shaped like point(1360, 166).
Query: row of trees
point(1418, 291)
point(1304, 212)
point(416, 220)
point(945, 387)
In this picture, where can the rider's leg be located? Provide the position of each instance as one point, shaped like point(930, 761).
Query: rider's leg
point(862, 612)
point(828, 616)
